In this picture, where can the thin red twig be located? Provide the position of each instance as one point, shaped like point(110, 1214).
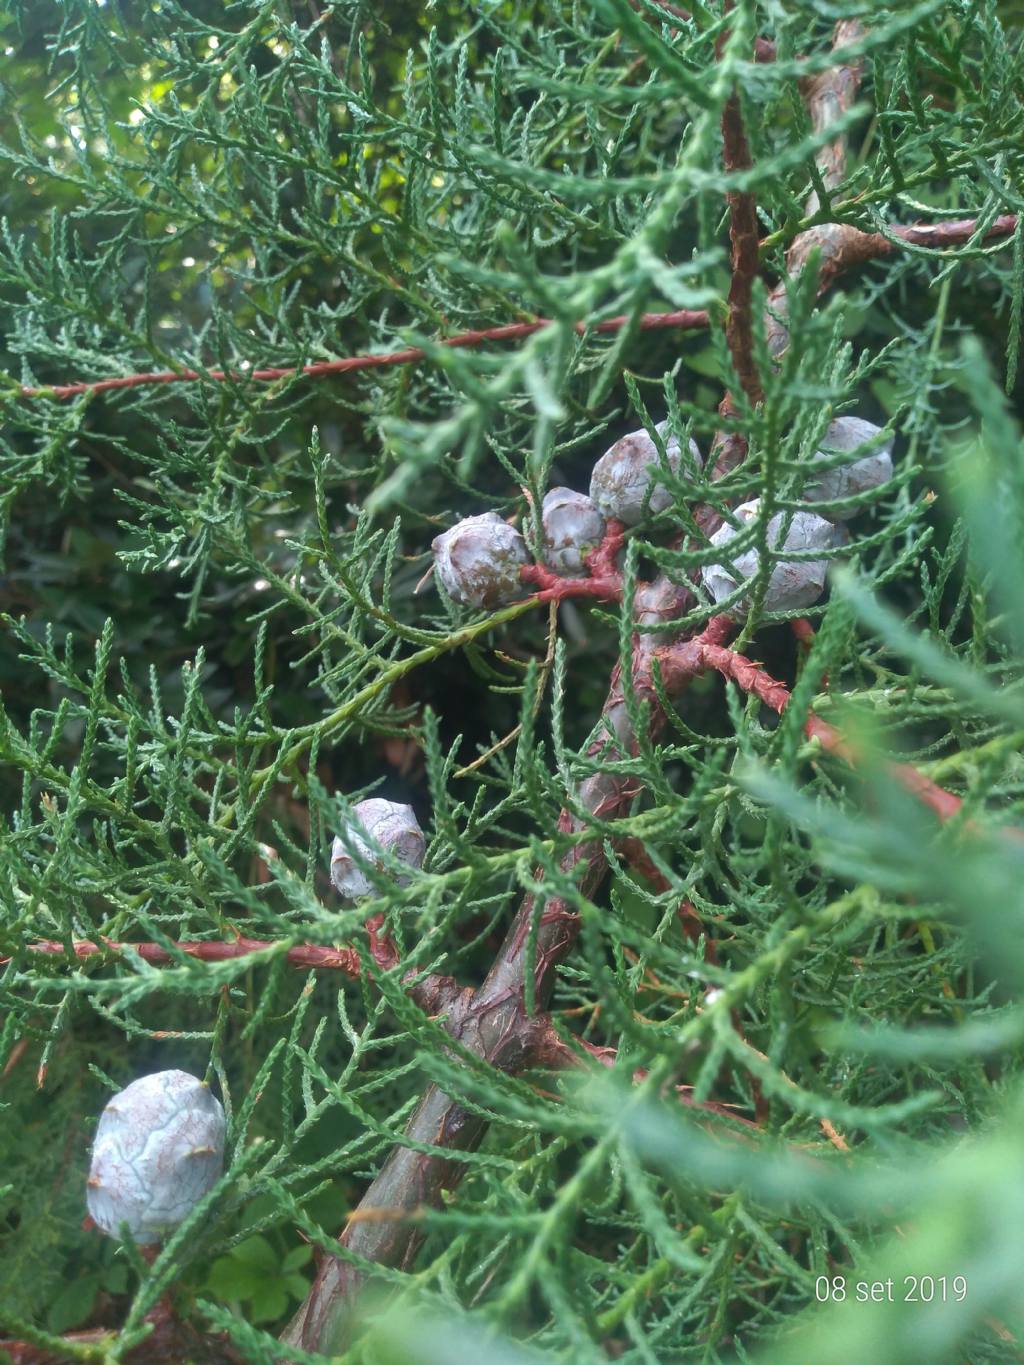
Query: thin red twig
point(802, 630)
point(842, 247)
point(685, 318)
point(941, 236)
point(753, 678)
point(605, 577)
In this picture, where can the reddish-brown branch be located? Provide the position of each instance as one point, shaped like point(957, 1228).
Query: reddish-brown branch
point(171, 1340)
point(729, 448)
point(804, 634)
point(553, 1051)
point(743, 239)
point(941, 236)
point(841, 247)
point(308, 955)
point(605, 578)
point(828, 95)
point(314, 956)
point(433, 993)
point(753, 678)
point(684, 318)
point(382, 946)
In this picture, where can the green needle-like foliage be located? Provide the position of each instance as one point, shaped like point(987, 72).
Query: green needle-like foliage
point(213, 647)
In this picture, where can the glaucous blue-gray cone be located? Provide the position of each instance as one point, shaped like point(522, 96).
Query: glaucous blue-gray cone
point(627, 478)
point(159, 1147)
point(389, 824)
point(846, 480)
point(792, 584)
point(478, 561)
point(572, 527)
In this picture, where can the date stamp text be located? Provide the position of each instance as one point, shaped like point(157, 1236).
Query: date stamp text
point(909, 1289)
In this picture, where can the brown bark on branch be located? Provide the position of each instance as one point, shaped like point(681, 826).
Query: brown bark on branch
point(841, 247)
point(683, 318)
point(493, 1021)
point(729, 448)
point(743, 238)
point(698, 656)
point(828, 96)
point(308, 955)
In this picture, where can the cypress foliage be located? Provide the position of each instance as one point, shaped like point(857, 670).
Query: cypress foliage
point(782, 1054)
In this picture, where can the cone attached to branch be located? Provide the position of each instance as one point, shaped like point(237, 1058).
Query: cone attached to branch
point(627, 481)
point(390, 825)
point(478, 561)
point(572, 527)
point(847, 479)
point(793, 584)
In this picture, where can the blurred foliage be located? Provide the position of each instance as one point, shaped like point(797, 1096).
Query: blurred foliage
point(212, 647)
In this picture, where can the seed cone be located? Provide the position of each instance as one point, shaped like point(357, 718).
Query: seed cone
point(572, 527)
point(478, 561)
point(846, 480)
point(793, 584)
point(389, 824)
point(626, 480)
point(159, 1148)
